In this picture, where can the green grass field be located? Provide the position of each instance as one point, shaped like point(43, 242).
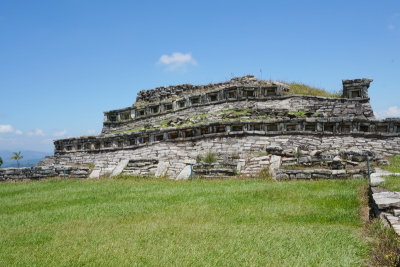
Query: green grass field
point(137, 222)
point(392, 182)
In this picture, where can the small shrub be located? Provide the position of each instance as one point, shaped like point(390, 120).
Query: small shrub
point(210, 158)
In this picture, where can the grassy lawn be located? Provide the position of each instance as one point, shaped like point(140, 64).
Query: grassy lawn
point(137, 222)
point(392, 182)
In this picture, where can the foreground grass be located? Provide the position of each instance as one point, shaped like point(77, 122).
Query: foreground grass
point(392, 182)
point(165, 223)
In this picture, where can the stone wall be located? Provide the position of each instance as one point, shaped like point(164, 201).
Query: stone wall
point(283, 174)
point(274, 107)
point(162, 93)
point(17, 174)
point(304, 127)
point(177, 154)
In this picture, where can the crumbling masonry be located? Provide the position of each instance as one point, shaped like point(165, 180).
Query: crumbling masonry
point(247, 125)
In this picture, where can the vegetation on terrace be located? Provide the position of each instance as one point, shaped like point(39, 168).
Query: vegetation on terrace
point(392, 182)
point(153, 222)
point(304, 89)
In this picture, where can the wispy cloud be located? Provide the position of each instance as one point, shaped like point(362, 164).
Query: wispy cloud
point(36, 132)
point(7, 128)
point(60, 133)
point(177, 61)
point(390, 112)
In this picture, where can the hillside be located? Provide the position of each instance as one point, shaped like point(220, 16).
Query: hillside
point(30, 158)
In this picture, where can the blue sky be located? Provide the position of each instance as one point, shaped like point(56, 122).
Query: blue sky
point(62, 63)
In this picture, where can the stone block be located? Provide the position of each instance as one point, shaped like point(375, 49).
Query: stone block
point(185, 173)
point(162, 168)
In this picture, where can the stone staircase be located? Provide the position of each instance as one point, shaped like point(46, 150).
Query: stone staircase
point(385, 204)
point(142, 167)
point(214, 170)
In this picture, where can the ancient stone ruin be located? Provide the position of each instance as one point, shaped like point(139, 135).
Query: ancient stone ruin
point(244, 126)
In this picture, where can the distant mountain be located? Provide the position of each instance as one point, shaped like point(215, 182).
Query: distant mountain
point(30, 158)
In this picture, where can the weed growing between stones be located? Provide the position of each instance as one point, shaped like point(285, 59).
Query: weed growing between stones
point(208, 158)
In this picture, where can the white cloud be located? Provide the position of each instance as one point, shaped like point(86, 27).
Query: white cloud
point(60, 133)
point(389, 113)
point(177, 61)
point(6, 128)
point(36, 132)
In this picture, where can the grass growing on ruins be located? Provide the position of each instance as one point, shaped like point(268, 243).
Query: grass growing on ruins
point(392, 182)
point(303, 89)
point(158, 222)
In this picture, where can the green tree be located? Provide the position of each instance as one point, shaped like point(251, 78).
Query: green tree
point(1, 161)
point(17, 156)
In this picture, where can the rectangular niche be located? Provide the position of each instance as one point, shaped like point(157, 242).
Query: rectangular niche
point(355, 93)
point(120, 143)
point(154, 109)
point(249, 93)
point(291, 127)
point(231, 94)
point(181, 104)
point(112, 117)
point(271, 91)
point(68, 148)
point(145, 139)
point(159, 137)
point(173, 135)
point(382, 128)
point(220, 129)
point(204, 130)
point(310, 127)
point(195, 100)
point(346, 128)
point(212, 97)
point(140, 112)
point(237, 128)
point(328, 127)
point(125, 116)
point(398, 128)
point(87, 146)
point(132, 141)
point(79, 147)
point(255, 127)
point(272, 127)
point(188, 133)
point(97, 145)
point(107, 144)
point(167, 107)
point(364, 128)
